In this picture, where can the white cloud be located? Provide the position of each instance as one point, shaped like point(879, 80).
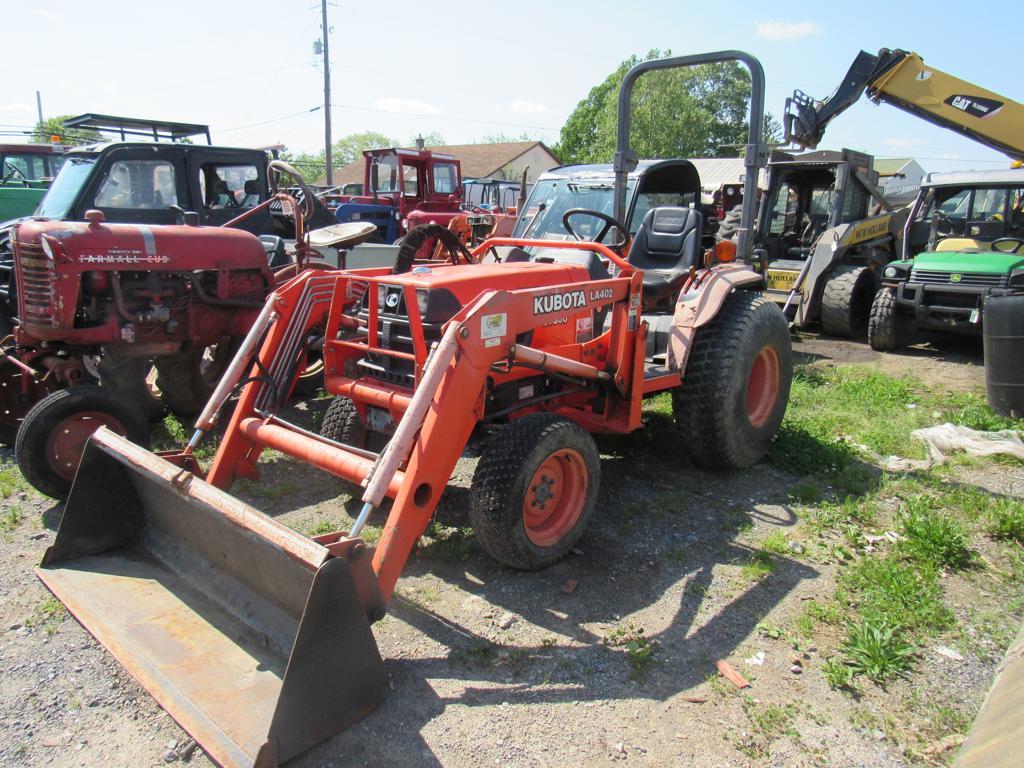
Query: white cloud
point(44, 13)
point(950, 156)
point(896, 143)
point(16, 106)
point(398, 104)
point(521, 106)
point(787, 30)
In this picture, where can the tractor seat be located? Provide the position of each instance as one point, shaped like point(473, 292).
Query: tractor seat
point(667, 244)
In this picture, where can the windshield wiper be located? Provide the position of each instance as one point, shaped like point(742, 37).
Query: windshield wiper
point(576, 187)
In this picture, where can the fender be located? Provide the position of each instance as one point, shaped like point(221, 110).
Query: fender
point(699, 302)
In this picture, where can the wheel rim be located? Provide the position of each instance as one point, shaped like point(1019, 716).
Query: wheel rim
point(763, 386)
point(66, 442)
point(555, 497)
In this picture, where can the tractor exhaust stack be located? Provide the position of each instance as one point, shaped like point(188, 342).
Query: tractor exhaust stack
point(254, 638)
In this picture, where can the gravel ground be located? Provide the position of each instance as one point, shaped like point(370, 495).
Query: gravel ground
point(489, 666)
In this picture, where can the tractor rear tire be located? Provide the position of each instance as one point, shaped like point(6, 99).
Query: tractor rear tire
point(52, 436)
point(846, 301)
point(736, 383)
point(887, 329)
point(186, 379)
point(730, 224)
point(534, 490)
point(130, 377)
point(343, 424)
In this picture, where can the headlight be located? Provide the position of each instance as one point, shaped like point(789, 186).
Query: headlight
point(47, 248)
point(382, 293)
point(421, 301)
point(405, 223)
point(1017, 278)
point(889, 272)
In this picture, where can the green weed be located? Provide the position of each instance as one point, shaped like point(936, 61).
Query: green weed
point(888, 590)
point(758, 566)
point(933, 537)
point(322, 527)
point(1006, 520)
point(11, 481)
point(767, 723)
point(48, 616)
point(639, 649)
point(447, 542)
point(10, 520)
point(876, 650)
point(776, 543)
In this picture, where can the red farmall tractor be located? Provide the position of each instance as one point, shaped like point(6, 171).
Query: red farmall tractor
point(117, 321)
point(257, 639)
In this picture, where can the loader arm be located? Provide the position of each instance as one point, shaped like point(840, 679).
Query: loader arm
point(900, 78)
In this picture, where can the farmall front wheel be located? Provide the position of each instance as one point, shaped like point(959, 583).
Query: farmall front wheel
point(53, 435)
point(736, 383)
point(534, 490)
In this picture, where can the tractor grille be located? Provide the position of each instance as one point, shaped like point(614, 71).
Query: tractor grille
point(394, 333)
point(35, 284)
point(973, 279)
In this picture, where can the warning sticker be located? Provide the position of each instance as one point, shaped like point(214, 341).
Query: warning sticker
point(494, 326)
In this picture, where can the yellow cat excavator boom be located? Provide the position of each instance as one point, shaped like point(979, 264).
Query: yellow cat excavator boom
point(902, 79)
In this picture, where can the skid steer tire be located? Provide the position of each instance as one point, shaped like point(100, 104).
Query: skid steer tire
point(534, 490)
point(736, 383)
point(52, 436)
point(887, 329)
point(343, 424)
point(846, 301)
point(187, 378)
point(730, 224)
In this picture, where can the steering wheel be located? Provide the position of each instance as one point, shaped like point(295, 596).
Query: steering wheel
point(428, 235)
point(609, 222)
point(1019, 244)
point(13, 171)
point(308, 195)
point(943, 226)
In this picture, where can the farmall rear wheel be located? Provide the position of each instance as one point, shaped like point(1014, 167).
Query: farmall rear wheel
point(534, 490)
point(736, 383)
point(53, 435)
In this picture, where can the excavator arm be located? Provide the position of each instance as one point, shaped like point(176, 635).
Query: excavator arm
point(901, 78)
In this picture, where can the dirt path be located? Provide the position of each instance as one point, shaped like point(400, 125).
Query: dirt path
point(489, 666)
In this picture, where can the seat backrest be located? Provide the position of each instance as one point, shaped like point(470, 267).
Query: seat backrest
point(668, 239)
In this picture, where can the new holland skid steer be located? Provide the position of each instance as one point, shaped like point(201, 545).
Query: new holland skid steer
point(258, 640)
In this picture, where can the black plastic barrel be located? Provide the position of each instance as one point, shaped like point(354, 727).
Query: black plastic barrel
point(1003, 330)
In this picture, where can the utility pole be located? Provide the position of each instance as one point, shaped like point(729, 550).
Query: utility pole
point(327, 96)
point(39, 106)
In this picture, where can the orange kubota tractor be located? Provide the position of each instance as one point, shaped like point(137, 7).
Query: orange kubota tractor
point(256, 639)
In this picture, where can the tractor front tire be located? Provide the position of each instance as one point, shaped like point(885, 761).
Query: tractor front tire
point(534, 490)
point(736, 383)
point(52, 437)
point(343, 424)
point(846, 301)
point(887, 328)
point(730, 224)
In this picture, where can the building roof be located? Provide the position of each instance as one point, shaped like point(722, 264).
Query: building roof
point(890, 166)
point(477, 160)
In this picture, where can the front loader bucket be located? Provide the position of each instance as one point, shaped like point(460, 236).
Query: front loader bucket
point(253, 637)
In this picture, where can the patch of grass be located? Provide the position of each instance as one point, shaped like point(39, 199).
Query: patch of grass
point(322, 527)
point(447, 542)
point(826, 613)
point(877, 650)
point(767, 723)
point(11, 481)
point(758, 566)
point(48, 616)
point(851, 510)
point(776, 543)
point(480, 651)
point(933, 537)
point(806, 492)
point(676, 553)
point(639, 649)
point(898, 593)
point(1006, 520)
point(971, 411)
point(10, 519)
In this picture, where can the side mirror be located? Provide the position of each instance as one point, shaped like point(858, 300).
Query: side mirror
point(374, 176)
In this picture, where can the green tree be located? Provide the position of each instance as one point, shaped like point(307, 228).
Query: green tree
point(695, 112)
point(350, 148)
point(431, 139)
point(54, 126)
point(504, 138)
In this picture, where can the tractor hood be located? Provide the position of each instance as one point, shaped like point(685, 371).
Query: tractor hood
point(986, 262)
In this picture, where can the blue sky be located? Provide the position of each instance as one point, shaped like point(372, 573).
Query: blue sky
point(469, 70)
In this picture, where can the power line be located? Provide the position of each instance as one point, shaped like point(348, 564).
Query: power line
point(446, 117)
point(268, 122)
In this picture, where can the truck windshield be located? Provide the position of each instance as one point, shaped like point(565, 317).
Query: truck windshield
point(551, 198)
point(65, 188)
